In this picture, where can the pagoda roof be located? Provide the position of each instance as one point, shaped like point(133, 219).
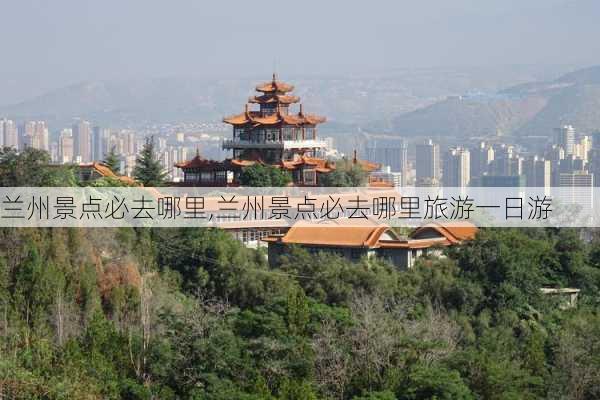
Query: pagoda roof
point(104, 171)
point(255, 118)
point(274, 86)
point(274, 98)
point(200, 162)
point(320, 164)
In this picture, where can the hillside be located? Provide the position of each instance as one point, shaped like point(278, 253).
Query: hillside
point(464, 117)
point(526, 109)
point(348, 101)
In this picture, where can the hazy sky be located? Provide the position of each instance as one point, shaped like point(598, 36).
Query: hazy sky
point(47, 44)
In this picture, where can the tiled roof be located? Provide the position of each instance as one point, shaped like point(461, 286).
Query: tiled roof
point(366, 233)
point(255, 118)
point(335, 234)
point(274, 98)
point(274, 86)
point(320, 164)
point(454, 232)
point(106, 172)
point(199, 162)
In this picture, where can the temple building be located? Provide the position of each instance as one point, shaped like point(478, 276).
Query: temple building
point(271, 135)
point(354, 241)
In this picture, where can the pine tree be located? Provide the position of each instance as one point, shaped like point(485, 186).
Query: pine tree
point(148, 169)
point(111, 160)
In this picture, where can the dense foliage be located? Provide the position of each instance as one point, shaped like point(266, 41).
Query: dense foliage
point(346, 174)
point(259, 175)
point(148, 168)
point(111, 160)
point(192, 314)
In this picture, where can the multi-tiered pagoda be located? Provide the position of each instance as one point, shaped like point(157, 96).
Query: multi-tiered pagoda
point(272, 135)
point(275, 135)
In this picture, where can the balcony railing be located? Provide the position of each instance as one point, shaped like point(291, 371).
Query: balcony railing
point(276, 144)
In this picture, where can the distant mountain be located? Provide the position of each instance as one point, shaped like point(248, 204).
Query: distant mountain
point(350, 102)
point(526, 109)
point(121, 103)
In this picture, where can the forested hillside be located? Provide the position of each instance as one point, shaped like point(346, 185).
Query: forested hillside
point(192, 314)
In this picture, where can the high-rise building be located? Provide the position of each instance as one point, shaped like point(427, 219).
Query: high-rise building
point(457, 167)
point(578, 187)
point(65, 146)
point(427, 163)
point(9, 133)
point(481, 158)
point(506, 162)
point(34, 134)
point(82, 141)
point(100, 143)
point(582, 147)
point(129, 141)
point(564, 136)
point(391, 153)
point(537, 172)
point(503, 181)
point(594, 157)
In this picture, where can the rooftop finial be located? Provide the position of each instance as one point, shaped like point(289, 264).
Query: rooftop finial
point(274, 77)
point(197, 152)
point(354, 157)
point(301, 109)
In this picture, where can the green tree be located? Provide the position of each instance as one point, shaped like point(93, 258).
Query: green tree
point(148, 169)
point(386, 395)
point(111, 160)
point(346, 174)
point(31, 167)
point(435, 382)
point(259, 175)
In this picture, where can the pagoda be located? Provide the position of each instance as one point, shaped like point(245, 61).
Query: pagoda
point(276, 136)
point(271, 135)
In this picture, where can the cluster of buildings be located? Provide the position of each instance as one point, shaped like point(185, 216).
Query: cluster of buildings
point(84, 144)
point(564, 160)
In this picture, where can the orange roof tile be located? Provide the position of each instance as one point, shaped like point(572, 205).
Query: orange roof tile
point(368, 233)
point(336, 233)
point(199, 162)
point(106, 172)
point(274, 98)
point(274, 86)
point(455, 231)
point(254, 117)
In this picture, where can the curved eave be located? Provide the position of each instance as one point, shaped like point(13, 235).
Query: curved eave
point(270, 87)
point(244, 119)
point(274, 99)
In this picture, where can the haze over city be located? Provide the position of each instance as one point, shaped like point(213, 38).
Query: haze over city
point(48, 45)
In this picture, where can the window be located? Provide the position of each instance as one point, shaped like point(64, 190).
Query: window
point(310, 177)
point(221, 176)
point(289, 133)
point(267, 109)
point(356, 254)
point(239, 133)
point(191, 177)
point(206, 176)
point(272, 135)
point(309, 133)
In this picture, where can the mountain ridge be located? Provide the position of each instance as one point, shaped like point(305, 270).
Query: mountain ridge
point(532, 108)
